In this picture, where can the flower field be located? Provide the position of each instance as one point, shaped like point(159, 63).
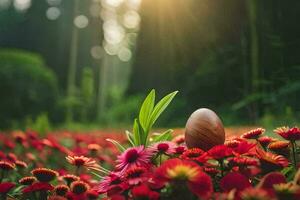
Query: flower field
point(65, 165)
point(143, 164)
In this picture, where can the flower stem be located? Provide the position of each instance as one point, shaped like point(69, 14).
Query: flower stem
point(43, 195)
point(160, 159)
point(1, 176)
point(294, 154)
point(222, 167)
point(263, 147)
point(77, 171)
point(3, 196)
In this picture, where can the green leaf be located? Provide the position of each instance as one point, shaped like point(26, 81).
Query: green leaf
point(160, 107)
point(165, 136)
point(97, 175)
point(136, 133)
point(117, 144)
point(129, 137)
point(146, 110)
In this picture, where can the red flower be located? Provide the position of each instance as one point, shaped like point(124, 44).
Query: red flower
point(220, 152)
point(287, 190)
point(179, 139)
point(20, 164)
point(11, 157)
point(92, 194)
point(253, 134)
point(243, 161)
point(82, 161)
point(264, 141)
point(270, 161)
point(79, 187)
point(180, 149)
point(39, 186)
point(44, 174)
point(269, 180)
point(174, 170)
point(291, 134)
point(19, 137)
point(61, 190)
point(94, 147)
point(136, 175)
point(211, 170)
point(255, 193)
point(4, 165)
point(55, 197)
point(27, 180)
point(5, 187)
point(73, 196)
point(53, 143)
point(232, 143)
point(278, 145)
point(234, 180)
point(244, 148)
point(192, 154)
point(143, 192)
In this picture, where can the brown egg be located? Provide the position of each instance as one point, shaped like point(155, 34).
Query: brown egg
point(204, 130)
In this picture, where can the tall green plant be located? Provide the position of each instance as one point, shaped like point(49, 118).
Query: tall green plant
point(148, 115)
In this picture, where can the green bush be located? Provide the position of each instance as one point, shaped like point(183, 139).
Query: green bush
point(123, 111)
point(28, 88)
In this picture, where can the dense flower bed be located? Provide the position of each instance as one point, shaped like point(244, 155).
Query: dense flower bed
point(86, 166)
point(146, 165)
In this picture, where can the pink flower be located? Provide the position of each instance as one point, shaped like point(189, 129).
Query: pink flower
point(111, 184)
point(165, 147)
point(134, 157)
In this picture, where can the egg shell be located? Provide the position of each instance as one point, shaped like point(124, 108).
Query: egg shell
point(204, 130)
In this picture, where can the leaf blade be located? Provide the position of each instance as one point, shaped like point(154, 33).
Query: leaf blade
point(146, 109)
point(117, 144)
point(165, 136)
point(136, 133)
point(129, 137)
point(160, 107)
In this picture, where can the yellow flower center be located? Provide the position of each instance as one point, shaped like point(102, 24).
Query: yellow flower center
point(182, 172)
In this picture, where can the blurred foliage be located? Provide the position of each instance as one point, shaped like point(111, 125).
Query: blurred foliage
point(206, 52)
point(205, 49)
point(123, 111)
point(41, 124)
point(86, 93)
point(28, 87)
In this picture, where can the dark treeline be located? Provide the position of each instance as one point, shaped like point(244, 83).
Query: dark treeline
point(240, 58)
